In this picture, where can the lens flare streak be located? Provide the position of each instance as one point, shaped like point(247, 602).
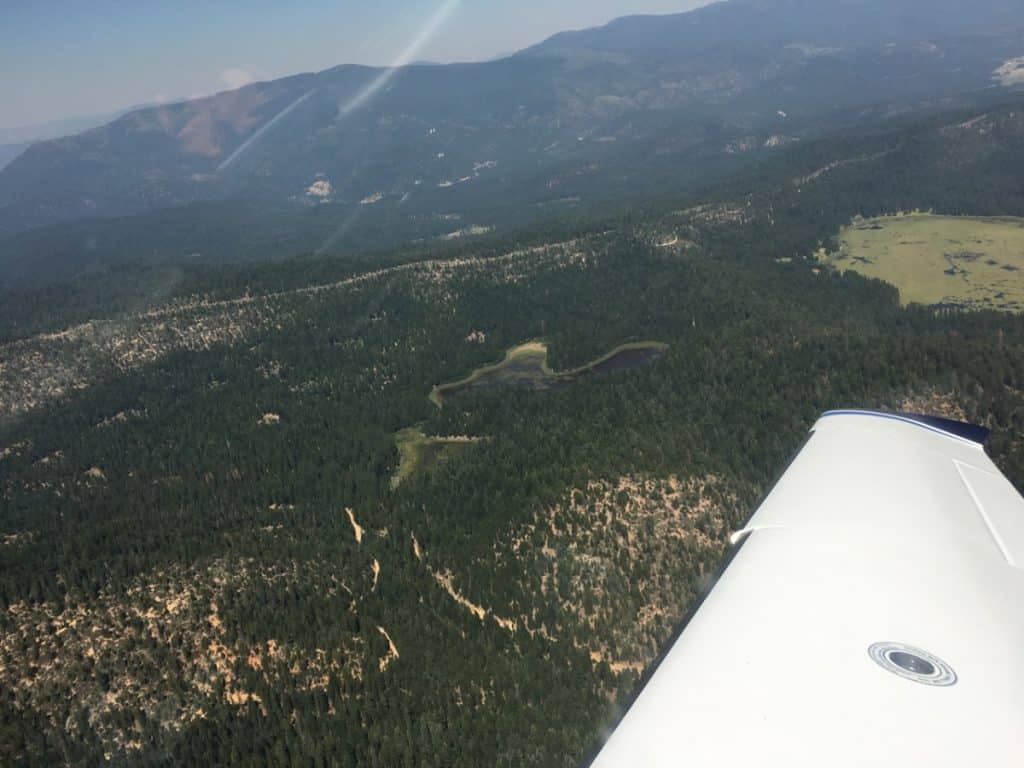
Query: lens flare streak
point(376, 85)
point(263, 130)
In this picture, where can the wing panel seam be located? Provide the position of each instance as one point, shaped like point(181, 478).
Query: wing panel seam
point(993, 531)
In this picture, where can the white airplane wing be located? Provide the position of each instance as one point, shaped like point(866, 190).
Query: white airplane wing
point(870, 614)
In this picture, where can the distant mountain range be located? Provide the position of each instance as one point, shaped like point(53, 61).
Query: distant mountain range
point(10, 151)
point(642, 106)
point(14, 141)
point(839, 23)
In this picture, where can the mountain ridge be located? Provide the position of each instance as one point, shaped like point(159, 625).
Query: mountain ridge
point(553, 122)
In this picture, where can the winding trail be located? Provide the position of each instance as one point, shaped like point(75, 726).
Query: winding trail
point(357, 529)
point(393, 654)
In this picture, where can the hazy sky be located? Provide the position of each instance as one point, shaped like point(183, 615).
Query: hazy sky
point(63, 58)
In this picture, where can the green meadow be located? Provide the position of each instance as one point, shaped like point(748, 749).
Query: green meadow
point(977, 263)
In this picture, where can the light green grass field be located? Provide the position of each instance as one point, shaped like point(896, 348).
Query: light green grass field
point(971, 262)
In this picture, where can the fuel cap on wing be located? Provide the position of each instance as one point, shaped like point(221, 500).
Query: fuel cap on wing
point(913, 664)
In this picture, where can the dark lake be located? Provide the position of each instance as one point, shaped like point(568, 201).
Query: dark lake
point(528, 373)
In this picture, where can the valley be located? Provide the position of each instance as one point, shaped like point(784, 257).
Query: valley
point(574, 125)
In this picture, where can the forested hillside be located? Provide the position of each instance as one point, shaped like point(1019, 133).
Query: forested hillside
point(961, 163)
point(395, 417)
point(204, 560)
point(210, 552)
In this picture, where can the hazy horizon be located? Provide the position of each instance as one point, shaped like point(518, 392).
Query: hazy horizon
point(66, 61)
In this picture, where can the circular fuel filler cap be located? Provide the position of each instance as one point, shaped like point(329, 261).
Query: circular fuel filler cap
point(912, 663)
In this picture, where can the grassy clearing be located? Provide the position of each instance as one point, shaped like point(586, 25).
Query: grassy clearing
point(417, 451)
point(523, 366)
point(526, 366)
point(976, 263)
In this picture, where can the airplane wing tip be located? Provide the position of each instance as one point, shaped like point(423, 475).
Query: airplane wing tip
point(963, 430)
